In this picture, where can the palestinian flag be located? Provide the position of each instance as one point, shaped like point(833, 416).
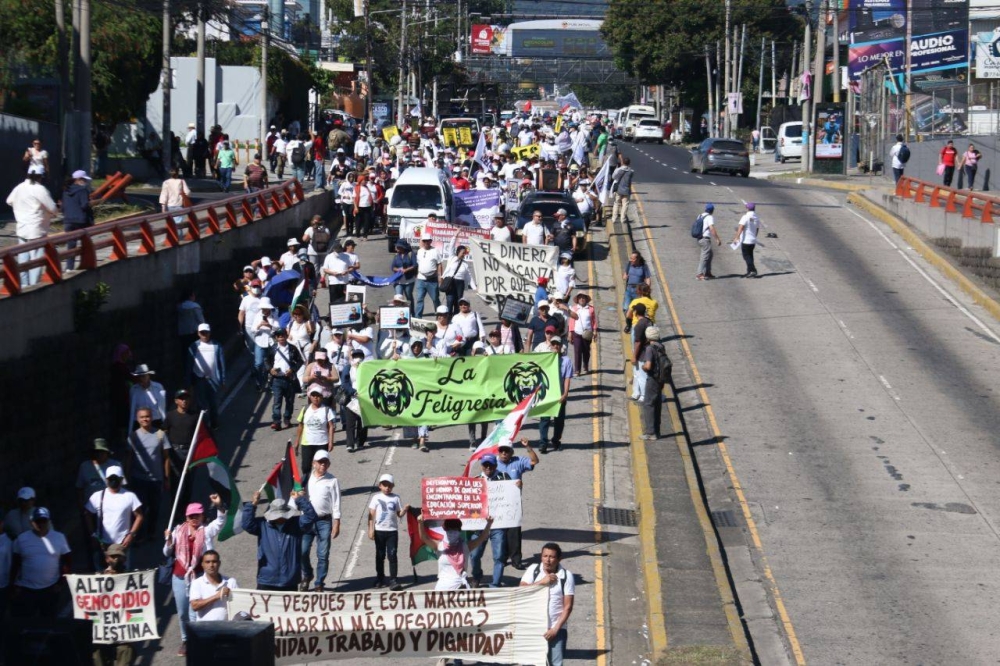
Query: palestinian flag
point(134, 615)
point(503, 433)
point(419, 552)
point(206, 454)
point(301, 294)
point(284, 478)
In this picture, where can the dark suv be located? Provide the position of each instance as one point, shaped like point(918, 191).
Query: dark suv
point(548, 203)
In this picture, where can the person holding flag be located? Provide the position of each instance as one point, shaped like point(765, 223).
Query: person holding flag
point(279, 539)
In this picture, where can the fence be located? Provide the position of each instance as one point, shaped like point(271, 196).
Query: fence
point(971, 205)
point(146, 234)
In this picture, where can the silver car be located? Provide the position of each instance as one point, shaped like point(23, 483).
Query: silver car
point(721, 155)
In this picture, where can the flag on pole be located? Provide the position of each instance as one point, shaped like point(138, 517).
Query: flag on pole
point(205, 454)
point(602, 182)
point(504, 433)
point(419, 552)
point(578, 149)
point(527, 106)
point(284, 478)
point(298, 295)
point(480, 156)
point(415, 112)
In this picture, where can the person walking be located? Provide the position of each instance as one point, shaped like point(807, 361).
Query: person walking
point(226, 161)
point(970, 164)
point(146, 393)
point(189, 317)
point(583, 333)
point(285, 361)
point(949, 154)
point(33, 211)
point(640, 323)
point(172, 194)
point(405, 263)
point(384, 511)
point(113, 654)
point(113, 516)
point(657, 367)
point(550, 573)
point(746, 235)
point(705, 243)
point(316, 427)
point(40, 558)
point(453, 552)
point(186, 543)
point(900, 155)
point(355, 431)
point(515, 467)
point(324, 493)
point(621, 185)
point(637, 272)
point(559, 420)
point(262, 330)
point(147, 467)
point(209, 592)
point(496, 537)
point(279, 539)
point(429, 270)
point(207, 372)
point(77, 212)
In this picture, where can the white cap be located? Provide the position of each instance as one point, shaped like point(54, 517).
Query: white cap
point(558, 296)
point(387, 478)
point(321, 455)
point(543, 303)
point(80, 173)
point(26, 493)
point(443, 309)
point(478, 345)
point(293, 241)
point(114, 470)
point(265, 261)
point(204, 327)
point(265, 303)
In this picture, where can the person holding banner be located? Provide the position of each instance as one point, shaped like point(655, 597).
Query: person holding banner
point(186, 543)
point(562, 589)
point(384, 511)
point(515, 467)
point(115, 653)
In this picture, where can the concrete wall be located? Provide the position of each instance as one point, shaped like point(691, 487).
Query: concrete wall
point(935, 222)
point(56, 380)
point(16, 134)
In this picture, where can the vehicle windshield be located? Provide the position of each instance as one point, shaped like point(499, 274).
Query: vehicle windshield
point(416, 196)
point(649, 123)
point(549, 208)
point(793, 131)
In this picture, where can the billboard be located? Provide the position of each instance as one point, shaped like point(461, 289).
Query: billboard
point(489, 39)
point(557, 44)
point(988, 55)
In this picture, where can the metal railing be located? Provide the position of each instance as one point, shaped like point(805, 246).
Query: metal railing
point(972, 205)
point(110, 241)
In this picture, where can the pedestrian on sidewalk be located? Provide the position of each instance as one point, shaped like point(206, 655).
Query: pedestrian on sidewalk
point(172, 194)
point(705, 243)
point(77, 212)
point(636, 273)
point(949, 154)
point(226, 161)
point(643, 296)
point(279, 539)
point(324, 493)
point(562, 589)
point(621, 183)
point(900, 155)
point(970, 164)
point(746, 235)
point(384, 511)
point(657, 367)
point(33, 211)
point(641, 323)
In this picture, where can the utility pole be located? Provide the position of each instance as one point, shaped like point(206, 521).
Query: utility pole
point(62, 57)
point(265, 45)
point(819, 73)
point(739, 78)
point(83, 93)
point(711, 104)
point(402, 64)
point(200, 89)
point(725, 132)
point(368, 66)
point(774, 78)
point(835, 81)
point(166, 81)
point(909, 64)
point(760, 84)
point(715, 128)
point(807, 107)
point(790, 75)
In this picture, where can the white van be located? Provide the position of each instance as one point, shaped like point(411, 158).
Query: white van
point(418, 192)
point(790, 140)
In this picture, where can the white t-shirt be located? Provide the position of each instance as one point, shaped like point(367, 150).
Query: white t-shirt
point(203, 588)
point(367, 347)
point(250, 305)
point(40, 558)
point(324, 494)
point(584, 319)
point(448, 578)
point(565, 277)
point(751, 226)
point(336, 262)
point(314, 432)
point(386, 511)
point(264, 337)
point(707, 223)
point(427, 262)
point(288, 260)
point(534, 233)
point(308, 236)
point(206, 361)
point(116, 511)
point(558, 591)
point(500, 233)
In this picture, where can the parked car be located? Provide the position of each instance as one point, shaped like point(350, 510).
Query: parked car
point(648, 129)
point(548, 203)
point(718, 154)
point(790, 140)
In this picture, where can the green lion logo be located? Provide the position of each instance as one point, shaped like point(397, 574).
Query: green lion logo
point(391, 392)
point(524, 378)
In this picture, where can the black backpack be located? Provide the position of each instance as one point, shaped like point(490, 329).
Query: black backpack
point(320, 239)
point(663, 368)
point(298, 154)
point(698, 228)
point(904, 153)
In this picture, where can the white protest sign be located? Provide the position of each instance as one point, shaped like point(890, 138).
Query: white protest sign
point(505, 507)
point(121, 606)
point(511, 269)
point(504, 626)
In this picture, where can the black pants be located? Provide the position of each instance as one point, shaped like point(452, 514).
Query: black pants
point(651, 409)
point(363, 221)
point(150, 494)
point(747, 249)
point(513, 536)
point(348, 210)
point(28, 603)
point(386, 545)
point(355, 434)
point(949, 173)
point(338, 293)
point(306, 454)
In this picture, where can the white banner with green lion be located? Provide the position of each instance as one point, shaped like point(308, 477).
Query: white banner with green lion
point(451, 391)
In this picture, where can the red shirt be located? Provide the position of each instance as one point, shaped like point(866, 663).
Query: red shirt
point(948, 155)
point(461, 183)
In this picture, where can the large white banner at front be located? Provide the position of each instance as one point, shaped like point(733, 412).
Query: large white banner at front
point(511, 269)
point(505, 626)
point(122, 606)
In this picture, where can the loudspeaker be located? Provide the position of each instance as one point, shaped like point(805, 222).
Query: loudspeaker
point(244, 643)
point(48, 642)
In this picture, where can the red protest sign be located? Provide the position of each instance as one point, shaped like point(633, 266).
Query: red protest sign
point(454, 497)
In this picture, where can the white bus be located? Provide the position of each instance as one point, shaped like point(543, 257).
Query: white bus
point(633, 115)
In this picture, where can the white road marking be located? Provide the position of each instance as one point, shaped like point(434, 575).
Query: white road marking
point(355, 553)
point(391, 453)
point(888, 387)
point(674, 168)
point(811, 285)
point(847, 331)
point(961, 308)
point(232, 393)
point(698, 177)
point(731, 189)
point(711, 182)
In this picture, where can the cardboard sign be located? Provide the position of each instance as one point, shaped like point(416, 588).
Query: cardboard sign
point(122, 607)
point(393, 318)
point(511, 269)
point(504, 507)
point(454, 497)
point(449, 137)
point(465, 136)
point(527, 152)
point(356, 293)
point(346, 314)
point(503, 626)
point(516, 310)
point(389, 132)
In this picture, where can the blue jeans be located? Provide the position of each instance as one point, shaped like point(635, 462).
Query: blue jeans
point(630, 295)
point(259, 373)
point(556, 648)
point(299, 172)
point(498, 544)
point(182, 603)
point(31, 277)
point(322, 530)
point(320, 175)
point(282, 389)
point(406, 291)
point(225, 178)
point(428, 288)
point(177, 218)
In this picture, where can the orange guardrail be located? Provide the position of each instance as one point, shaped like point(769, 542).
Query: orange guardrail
point(154, 232)
point(972, 205)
